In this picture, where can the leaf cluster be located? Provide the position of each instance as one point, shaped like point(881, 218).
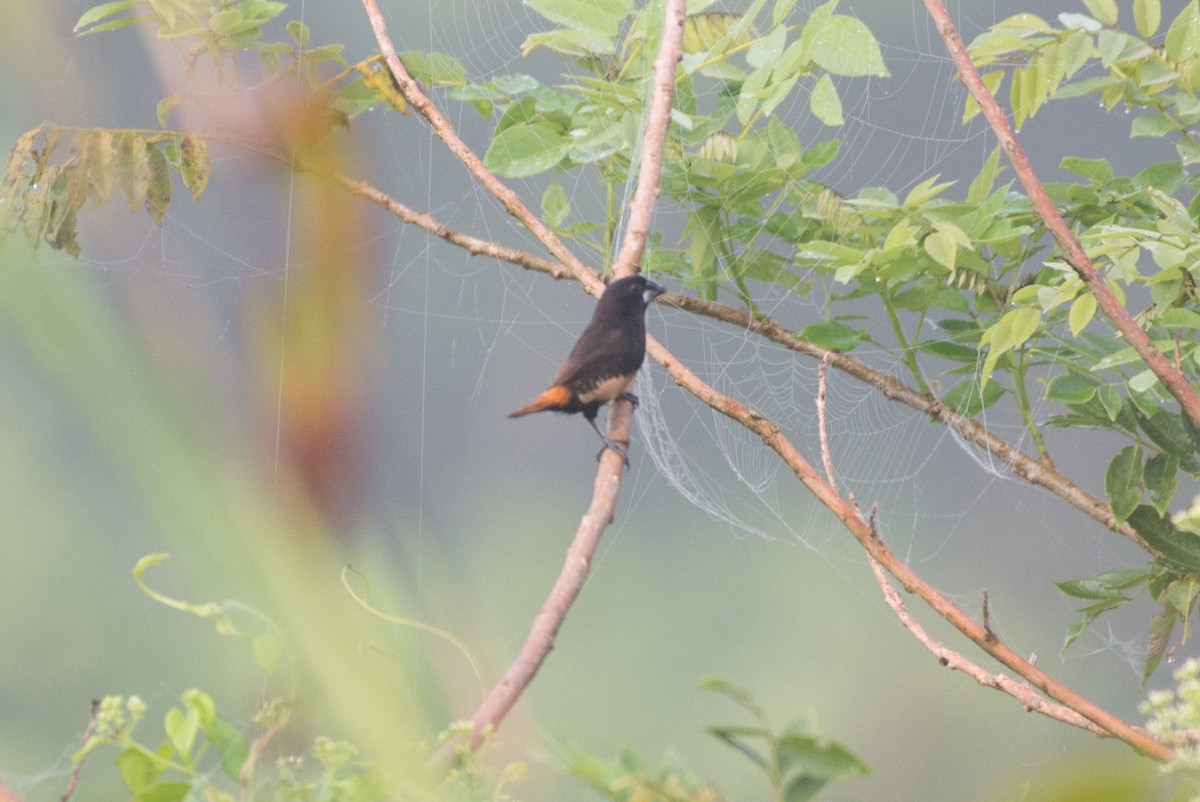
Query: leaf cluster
point(798, 764)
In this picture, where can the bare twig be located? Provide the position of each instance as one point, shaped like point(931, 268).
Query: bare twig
point(822, 433)
point(1021, 691)
point(1072, 249)
point(861, 529)
point(87, 736)
point(662, 95)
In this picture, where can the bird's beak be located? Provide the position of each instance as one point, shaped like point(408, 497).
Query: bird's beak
point(652, 291)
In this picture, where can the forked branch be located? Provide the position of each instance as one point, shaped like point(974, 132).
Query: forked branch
point(608, 478)
point(863, 531)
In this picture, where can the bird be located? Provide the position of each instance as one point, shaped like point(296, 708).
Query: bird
point(605, 358)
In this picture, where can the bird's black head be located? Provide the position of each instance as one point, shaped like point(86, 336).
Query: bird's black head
point(634, 291)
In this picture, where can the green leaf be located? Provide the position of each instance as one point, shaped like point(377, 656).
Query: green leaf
point(1165, 428)
point(824, 101)
point(268, 649)
point(1085, 616)
point(1179, 318)
point(941, 246)
point(816, 757)
point(1161, 627)
point(1147, 16)
point(966, 399)
point(1103, 10)
point(1071, 388)
point(202, 704)
point(1098, 170)
point(1152, 126)
point(1123, 482)
point(951, 351)
point(1161, 479)
point(981, 186)
point(524, 150)
point(1013, 329)
point(181, 728)
point(555, 205)
point(766, 50)
point(1083, 309)
point(1104, 586)
point(97, 13)
point(601, 17)
point(1183, 37)
point(165, 792)
point(736, 738)
point(569, 42)
point(138, 769)
point(1176, 546)
point(991, 81)
point(730, 690)
point(299, 32)
point(929, 188)
point(845, 46)
point(437, 69)
point(833, 335)
point(231, 745)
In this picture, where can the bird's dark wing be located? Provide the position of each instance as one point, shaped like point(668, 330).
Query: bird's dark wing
point(602, 352)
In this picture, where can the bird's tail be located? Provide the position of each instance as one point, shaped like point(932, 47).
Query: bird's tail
point(556, 398)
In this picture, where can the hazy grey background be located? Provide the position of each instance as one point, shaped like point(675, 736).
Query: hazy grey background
point(468, 514)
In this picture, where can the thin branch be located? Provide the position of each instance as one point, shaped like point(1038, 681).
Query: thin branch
point(487, 179)
point(1034, 471)
point(1021, 691)
point(823, 434)
point(87, 736)
point(1072, 249)
point(546, 625)
point(862, 530)
point(670, 50)
point(607, 486)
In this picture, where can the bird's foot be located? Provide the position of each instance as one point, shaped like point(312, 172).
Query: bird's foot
point(630, 397)
point(616, 446)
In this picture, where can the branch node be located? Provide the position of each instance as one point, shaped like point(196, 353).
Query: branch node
point(987, 623)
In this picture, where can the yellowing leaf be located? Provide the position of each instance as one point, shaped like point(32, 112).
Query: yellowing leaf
point(1082, 312)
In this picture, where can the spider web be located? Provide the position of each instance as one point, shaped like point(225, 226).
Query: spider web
point(468, 339)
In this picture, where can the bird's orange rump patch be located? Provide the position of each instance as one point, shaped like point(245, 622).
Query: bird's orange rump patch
point(554, 398)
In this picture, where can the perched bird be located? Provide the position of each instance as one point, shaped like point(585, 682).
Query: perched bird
point(606, 357)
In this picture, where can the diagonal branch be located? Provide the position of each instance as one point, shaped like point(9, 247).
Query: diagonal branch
point(608, 478)
point(1036, 472)
point(1021, 691)
point(853, 521)
point(1072, 249)
point(487, 179)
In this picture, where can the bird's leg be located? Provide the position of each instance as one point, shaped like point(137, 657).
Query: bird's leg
point(613, 444)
